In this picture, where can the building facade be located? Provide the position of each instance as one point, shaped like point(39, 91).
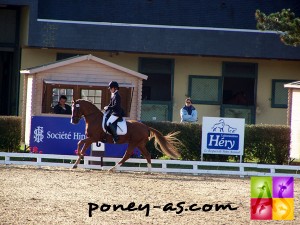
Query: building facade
point(210, 51)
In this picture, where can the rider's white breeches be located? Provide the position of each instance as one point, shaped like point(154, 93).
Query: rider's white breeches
point(111, 119)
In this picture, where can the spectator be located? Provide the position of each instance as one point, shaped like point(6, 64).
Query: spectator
point(188, 113)
point(62, 107)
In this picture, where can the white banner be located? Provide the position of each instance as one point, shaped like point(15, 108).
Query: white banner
point(223, 136)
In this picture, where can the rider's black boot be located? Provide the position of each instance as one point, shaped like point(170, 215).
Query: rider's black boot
point(113, 131)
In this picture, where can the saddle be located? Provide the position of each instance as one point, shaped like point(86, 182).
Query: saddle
point(119, 123)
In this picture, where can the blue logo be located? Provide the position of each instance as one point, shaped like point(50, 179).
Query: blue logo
point(38, 134)
point(223, 137)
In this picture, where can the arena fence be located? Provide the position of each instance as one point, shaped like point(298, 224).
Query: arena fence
point(159, 166)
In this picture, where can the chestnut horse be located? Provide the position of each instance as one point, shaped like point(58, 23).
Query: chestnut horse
point(138, 134)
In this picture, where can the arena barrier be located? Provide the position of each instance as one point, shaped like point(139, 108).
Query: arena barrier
point(159, 166)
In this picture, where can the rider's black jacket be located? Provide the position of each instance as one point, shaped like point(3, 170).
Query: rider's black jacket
point(115, 105)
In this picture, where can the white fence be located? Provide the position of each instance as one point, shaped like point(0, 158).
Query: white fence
point(160, 166)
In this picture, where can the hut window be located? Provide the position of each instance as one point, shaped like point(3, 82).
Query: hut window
point(99, 95)
point(57, 92)
point(279, 93)
point(94, 95)
point(205, 89)
point(51, 94)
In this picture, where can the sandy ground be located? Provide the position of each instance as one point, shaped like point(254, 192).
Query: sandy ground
point(29, 195)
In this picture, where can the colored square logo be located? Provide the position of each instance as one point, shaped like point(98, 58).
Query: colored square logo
point(283, 209)
point(261, 187)
point(261, 208)
point(283, 187)
point(272, 198)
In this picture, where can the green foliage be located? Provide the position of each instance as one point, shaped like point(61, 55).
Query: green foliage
point(283, 22)
point(10, 130)
point(263, 143)
point(267, 143)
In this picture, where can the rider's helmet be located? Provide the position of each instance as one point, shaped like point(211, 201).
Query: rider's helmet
point(113, 84)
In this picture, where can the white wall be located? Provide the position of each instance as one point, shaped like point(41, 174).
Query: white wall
point(295, 124)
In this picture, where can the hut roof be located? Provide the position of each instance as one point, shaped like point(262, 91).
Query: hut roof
point(80, 58)
point(295, 84)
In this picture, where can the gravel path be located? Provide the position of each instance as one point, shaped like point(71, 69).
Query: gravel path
point(29, 195)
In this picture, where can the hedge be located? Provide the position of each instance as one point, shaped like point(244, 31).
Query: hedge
point(263, 143)
point(10, 133)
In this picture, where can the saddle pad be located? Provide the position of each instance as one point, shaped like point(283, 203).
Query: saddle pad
point(121, 126)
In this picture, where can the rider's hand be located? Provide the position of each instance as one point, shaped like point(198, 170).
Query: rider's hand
point(105, 108)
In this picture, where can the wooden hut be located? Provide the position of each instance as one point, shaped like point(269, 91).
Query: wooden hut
point(294, 117)
point(84, 77)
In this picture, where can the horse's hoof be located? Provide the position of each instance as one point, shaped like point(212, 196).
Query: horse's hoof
point(74, 167)
point(112, 170)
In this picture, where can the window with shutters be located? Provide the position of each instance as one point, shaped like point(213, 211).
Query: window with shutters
point(279, 93)
point(205, 89)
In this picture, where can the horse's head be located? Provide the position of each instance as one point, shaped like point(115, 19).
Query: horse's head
point(76, 112)
point(83, 108)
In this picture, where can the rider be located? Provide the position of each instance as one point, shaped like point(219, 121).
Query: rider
point(114, 108)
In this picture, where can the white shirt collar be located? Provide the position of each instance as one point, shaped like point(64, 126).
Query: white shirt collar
point(112, 94)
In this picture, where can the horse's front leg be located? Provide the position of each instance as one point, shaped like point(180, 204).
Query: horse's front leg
point(87, 143)
point(79, 152)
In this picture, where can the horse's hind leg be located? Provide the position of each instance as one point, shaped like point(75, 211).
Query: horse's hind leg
point(147, 156)
point(126, 156)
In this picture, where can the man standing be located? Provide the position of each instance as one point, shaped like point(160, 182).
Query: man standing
point(188, 113)
point(62, 107)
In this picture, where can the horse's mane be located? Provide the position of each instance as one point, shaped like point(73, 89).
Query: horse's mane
point(90, 103)
point(85, 100)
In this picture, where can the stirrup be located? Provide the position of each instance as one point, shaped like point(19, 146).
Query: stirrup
point(115, 139)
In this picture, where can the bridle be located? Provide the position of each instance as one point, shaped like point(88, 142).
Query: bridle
point(77, 109)
point(75, 116)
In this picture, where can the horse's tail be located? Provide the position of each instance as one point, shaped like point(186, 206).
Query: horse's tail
point(168, 144)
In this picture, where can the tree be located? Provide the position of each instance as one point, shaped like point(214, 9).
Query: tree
point(284, 22)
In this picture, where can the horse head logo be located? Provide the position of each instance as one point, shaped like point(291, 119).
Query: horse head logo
point(222, 127)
